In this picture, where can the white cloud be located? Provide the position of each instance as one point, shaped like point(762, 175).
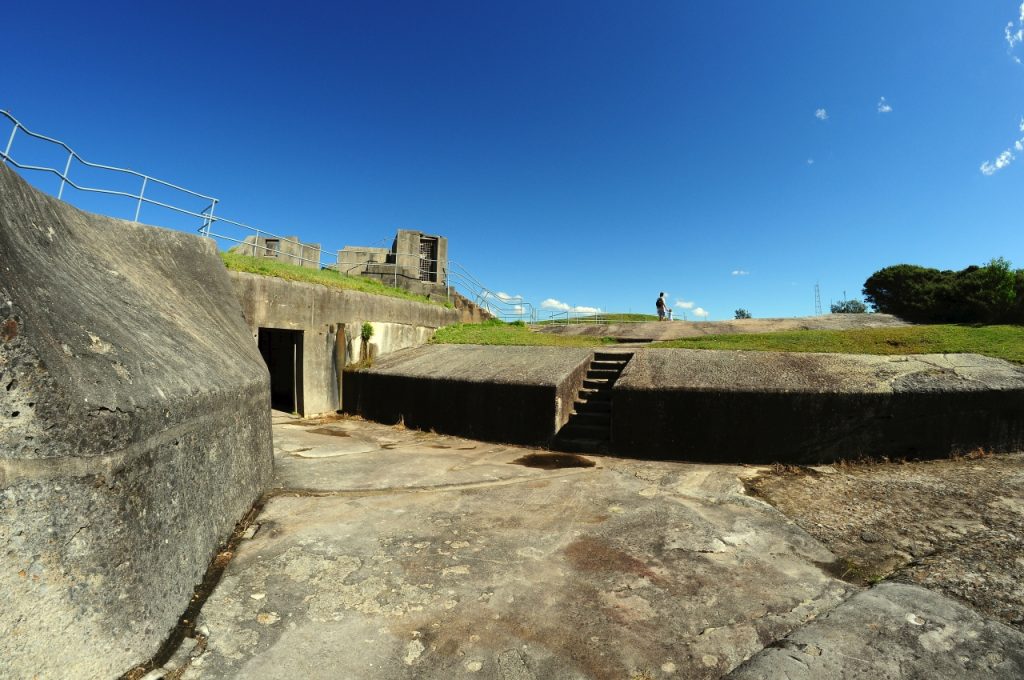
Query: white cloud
point(685, 304)
point(740, 272)
point(700, 311)
point(810, 161)
point(558, 306)
point(1014, 36)
point(1002, 160)
point(821, 114)
point(884, 106)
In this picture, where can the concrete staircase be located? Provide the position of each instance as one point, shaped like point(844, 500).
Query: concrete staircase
point(589, 427)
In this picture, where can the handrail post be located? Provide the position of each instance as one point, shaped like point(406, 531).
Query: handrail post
point(209, 220)
point(64, 177)
point(142, 192)
point(10, 141)
point(256, 242)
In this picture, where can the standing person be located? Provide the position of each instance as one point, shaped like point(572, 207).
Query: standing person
point(662, 307)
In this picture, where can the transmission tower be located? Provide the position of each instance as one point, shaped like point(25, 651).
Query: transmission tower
point(817, 300)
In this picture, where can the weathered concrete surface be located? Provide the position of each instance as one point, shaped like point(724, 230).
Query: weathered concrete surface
point(676, 329)
point(893, 631)
point(793, 407)
point(458, 564)
point(323, 313)
point(470, 390)
point(134, 432)
point(953, 525)
point(384, 552)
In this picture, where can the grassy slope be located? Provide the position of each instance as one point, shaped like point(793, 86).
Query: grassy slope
point(1004, 342)
point(324, 277)
point(499, 333)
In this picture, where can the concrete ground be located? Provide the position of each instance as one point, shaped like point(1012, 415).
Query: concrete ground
point(389, 553)
point(676, 329)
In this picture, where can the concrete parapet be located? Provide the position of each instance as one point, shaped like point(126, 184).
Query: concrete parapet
point(134, 432)
point(761, 407)
point(519, 395)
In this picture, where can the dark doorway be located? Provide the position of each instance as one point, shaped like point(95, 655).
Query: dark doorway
point(282, 352)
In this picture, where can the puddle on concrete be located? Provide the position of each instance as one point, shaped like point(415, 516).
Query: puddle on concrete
point(331, 431)
point(553, 461)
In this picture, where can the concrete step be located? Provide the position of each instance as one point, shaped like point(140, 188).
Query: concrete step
point(616, 366)
point(593, 406)
point(592, 395)
point(594, 418)
point(613, 356)
point(580, 445)
point(579, 431)
point(602, 373)
point(597, 384)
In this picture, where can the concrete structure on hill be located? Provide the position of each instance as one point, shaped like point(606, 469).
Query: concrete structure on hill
point(308, 333)
point(287, 249)
point(134, 432)
point(416, 262)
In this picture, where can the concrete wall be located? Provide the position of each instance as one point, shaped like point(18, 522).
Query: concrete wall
point(134, 432)
point(326, 315)
point(520, 395)
point(352, 260)
point(762, 407)
point(287, 249)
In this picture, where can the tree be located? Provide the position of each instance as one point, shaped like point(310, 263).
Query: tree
point(743, 314)
point(992, 293)
point(849, 307)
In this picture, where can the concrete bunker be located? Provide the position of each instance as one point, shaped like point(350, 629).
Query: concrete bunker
point(307, 333)
point(716, 406)
point(281, 349)
point(522, 395)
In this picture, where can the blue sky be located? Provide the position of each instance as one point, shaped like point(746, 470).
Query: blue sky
point(592, 153)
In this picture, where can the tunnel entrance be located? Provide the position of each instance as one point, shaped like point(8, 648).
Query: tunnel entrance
point(282, 351)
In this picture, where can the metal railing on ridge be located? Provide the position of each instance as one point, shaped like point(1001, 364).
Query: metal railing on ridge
point(454, 274)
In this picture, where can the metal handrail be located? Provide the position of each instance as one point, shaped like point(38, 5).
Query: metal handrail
point(454, 274)
point(205, 214)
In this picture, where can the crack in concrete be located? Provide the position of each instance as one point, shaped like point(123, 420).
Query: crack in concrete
point(439, 488)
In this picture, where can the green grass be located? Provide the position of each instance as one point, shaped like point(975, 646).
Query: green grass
point(496, 332)
point(1003, 342)
point(324, 277)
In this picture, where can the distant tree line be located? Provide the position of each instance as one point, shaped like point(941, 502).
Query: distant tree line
point(849, 307)
point(993, 293)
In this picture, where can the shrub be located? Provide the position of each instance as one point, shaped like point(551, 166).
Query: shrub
point(992, 293)
point(743, 314)
point(366, 331)
point(849, 307)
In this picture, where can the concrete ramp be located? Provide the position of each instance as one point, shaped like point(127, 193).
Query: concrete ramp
point(134, 432)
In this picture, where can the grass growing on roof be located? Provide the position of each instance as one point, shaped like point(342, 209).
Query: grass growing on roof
point(325, 277)
point(1003, 342)
point(495, 332)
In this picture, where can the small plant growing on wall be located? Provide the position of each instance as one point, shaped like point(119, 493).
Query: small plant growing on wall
point(366, 332)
